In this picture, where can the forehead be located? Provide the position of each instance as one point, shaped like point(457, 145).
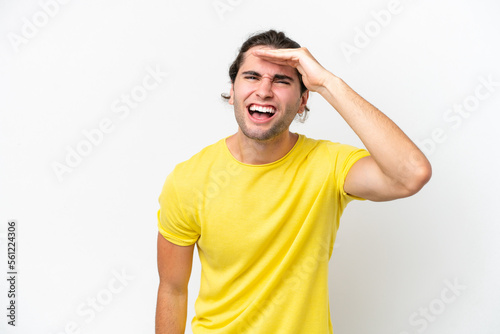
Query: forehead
point(257, 64)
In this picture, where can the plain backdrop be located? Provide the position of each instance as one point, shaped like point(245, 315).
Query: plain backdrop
point(133, 88)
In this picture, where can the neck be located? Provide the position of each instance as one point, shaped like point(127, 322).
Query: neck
point(254, 152)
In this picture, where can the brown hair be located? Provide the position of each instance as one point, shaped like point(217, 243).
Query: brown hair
point(273, 39)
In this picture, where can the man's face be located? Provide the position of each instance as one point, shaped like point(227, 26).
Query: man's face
point(266, 97)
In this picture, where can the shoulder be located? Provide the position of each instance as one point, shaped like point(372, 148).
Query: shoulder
point(323, 146)
point(202, 159)
point(336, 156)
point(196, 171)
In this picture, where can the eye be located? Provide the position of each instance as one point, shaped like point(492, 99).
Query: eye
point(251, 77)
point(283, 82)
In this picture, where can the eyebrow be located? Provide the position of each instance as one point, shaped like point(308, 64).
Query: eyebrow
point(276, 76)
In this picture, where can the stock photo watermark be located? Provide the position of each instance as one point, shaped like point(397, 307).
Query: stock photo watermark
point(12, 271)
point(95, 136)
point(88, 310)
point(364, 36)
point(291, 280)
point(222, 7)
point(429, 313)
point(217, 182)
point(458, 113)
point(31, 26)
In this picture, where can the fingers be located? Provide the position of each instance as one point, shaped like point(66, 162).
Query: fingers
point(312, 72)
point(282, 56)
point(274, 51)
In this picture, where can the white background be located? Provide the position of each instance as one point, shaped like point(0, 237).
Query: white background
point(69, 72)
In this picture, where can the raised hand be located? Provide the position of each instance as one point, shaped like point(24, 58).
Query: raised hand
point(313, 74)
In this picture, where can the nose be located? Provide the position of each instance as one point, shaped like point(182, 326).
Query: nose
point(264, 90)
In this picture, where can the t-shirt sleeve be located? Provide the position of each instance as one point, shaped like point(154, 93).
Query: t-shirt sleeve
point(345, 156)
point(173, 223)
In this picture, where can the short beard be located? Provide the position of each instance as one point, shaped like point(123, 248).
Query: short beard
point(277, 129)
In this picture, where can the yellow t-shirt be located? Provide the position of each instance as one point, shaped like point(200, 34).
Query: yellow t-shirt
point(264, 233)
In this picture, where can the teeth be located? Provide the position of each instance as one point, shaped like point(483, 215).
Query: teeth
point(270, 110)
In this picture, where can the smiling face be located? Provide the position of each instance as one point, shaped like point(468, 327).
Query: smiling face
point(266, 97)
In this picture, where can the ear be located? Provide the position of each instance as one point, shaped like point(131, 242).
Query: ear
point(303, 101)
point(231, 95)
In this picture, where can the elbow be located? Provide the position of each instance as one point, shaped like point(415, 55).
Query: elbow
point(419, 179)
point(170, 289)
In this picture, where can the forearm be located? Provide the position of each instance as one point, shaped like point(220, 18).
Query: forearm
point(395, 154)
point(171, 311)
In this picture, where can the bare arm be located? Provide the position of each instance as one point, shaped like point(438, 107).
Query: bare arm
point(174, 268)
point(396, 167)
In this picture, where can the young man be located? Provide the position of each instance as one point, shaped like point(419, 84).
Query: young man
point(263, 205)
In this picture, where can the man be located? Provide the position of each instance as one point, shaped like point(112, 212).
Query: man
point(263, 205)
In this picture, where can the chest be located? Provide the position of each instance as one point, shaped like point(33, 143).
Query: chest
point(246, 218)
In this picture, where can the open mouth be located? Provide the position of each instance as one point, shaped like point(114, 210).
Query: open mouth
point(261, 113)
